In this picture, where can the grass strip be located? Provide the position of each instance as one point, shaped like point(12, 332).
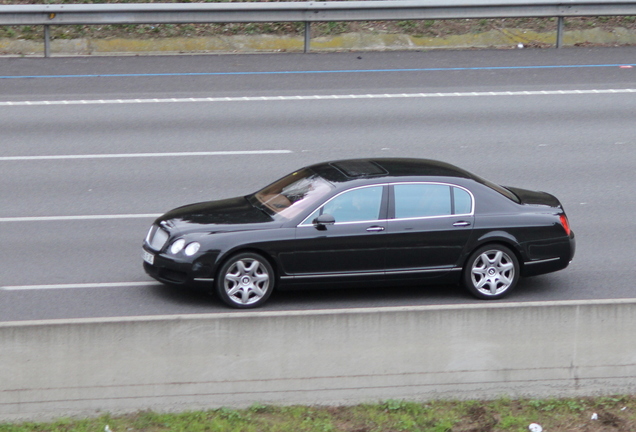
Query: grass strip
point(600, 414)
point(416, 28)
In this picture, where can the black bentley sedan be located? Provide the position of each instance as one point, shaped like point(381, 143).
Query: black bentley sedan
point(362, 222)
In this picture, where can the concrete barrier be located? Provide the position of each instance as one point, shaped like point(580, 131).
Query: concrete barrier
point(170, 363)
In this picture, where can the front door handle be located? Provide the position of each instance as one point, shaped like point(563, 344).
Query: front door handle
point(461, 224)
point(375, 229)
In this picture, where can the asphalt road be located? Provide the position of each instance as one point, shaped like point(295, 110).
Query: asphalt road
point(92, 148)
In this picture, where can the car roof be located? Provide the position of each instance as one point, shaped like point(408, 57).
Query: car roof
point(355, 169)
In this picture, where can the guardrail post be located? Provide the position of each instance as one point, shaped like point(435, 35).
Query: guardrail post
point(47, 41)
point(307, 37)
point(560, 26)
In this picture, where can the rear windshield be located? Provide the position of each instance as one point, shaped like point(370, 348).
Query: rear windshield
point(502, 190)
point(293, 194)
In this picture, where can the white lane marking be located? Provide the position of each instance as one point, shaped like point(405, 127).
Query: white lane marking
point(79, 217)
point(316, 97)
point(145, 155)
point(75, 286)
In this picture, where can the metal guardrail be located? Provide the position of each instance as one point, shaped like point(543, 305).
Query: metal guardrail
point(307, 12)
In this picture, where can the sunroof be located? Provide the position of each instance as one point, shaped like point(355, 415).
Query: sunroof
point(359, 168)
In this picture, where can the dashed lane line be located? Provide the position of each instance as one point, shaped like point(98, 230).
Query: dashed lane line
point(315, 97)
point(77, 286)
point(143, 155)
point(78, 217)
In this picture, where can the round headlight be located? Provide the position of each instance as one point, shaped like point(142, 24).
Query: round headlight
point(177, 246)
point(192, 248)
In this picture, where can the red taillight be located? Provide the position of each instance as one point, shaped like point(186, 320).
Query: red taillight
point(565, 224)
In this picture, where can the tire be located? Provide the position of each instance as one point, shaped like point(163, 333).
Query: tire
point(491, 272)
point(246, 280)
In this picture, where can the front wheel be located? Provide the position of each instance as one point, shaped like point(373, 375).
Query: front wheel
point(492, 271)
point(245, 281)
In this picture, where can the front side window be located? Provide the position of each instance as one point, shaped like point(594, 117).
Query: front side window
point(353, 206)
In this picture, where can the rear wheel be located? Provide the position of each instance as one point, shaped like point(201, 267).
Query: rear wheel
point(492, 271)
point(246, 280)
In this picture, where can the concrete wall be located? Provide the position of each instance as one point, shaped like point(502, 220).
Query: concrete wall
point(484, 350)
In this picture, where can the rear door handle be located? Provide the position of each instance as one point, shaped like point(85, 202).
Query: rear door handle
point(461, 224)
point(375, 229)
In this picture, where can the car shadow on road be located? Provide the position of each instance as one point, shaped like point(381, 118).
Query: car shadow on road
point(531, 289)
point(328, 298)
point(539, 288)
point(368, 297)
point(186, 296)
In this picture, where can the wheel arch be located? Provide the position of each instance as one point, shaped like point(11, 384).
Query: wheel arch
point(229, 254)
point(497, 238)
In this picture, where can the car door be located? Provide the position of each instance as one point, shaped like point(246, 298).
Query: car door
point(428, 228)
point(350, 246)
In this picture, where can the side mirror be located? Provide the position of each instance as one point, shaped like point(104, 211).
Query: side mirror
point(323, 220)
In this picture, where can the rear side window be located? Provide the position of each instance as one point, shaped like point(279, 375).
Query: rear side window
point(422, 200)
point(429, 200)
point(463, 201)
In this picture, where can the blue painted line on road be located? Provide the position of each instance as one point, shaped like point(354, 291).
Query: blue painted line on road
point(190, 74)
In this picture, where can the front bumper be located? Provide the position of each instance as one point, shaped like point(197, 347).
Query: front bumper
point(166, 275)
point(167, 270)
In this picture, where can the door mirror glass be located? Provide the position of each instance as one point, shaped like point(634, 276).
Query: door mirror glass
point(324, 219)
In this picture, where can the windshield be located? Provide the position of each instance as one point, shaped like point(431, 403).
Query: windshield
point(293, 194)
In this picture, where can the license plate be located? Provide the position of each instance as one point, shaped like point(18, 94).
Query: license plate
point(148, 257)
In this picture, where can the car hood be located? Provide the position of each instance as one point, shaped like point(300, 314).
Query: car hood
point(231, 214)
point(535, 198)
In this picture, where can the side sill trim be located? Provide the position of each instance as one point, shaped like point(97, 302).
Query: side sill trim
point(432, 270)
point(389, 272)
point(204, 279)
point(326, 275)
point(542, 261)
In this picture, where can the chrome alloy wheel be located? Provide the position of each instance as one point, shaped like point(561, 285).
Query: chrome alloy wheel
point(493, 272)
point(246, 281)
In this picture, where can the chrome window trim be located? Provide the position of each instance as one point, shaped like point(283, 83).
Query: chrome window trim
point(303, 224)
point(429, 217)
point(472, 206)
point(351, 223)
point(472, 199)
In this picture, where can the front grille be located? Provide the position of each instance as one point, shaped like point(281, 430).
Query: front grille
point(156, 238)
